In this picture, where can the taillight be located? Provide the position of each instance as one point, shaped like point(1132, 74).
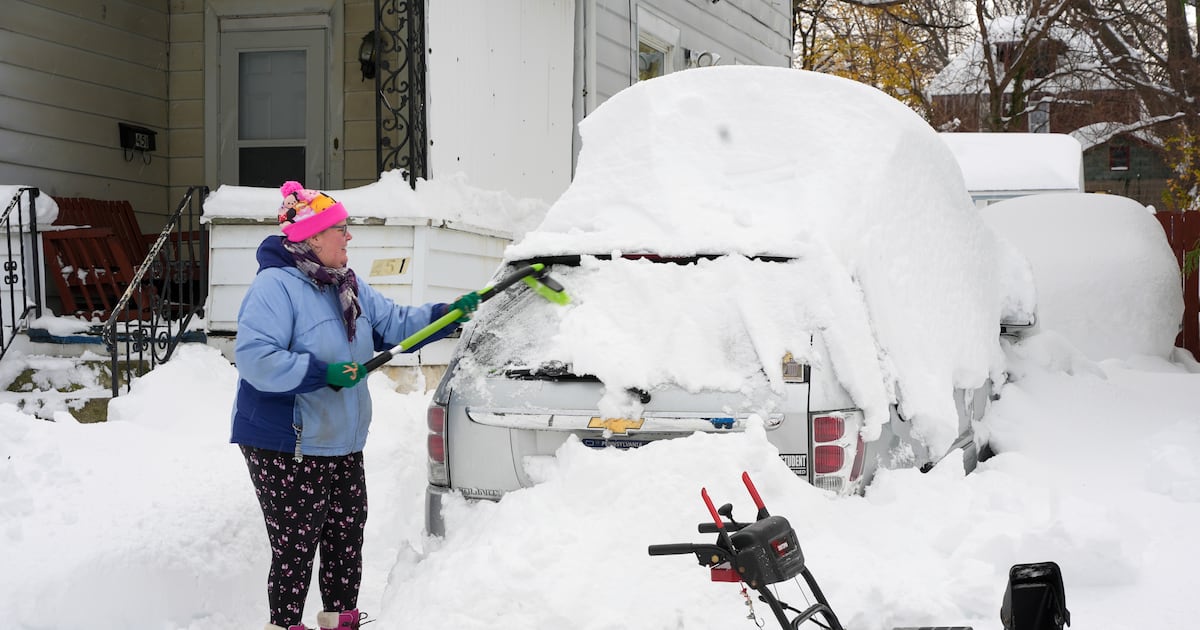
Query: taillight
point(832, 483)
point(829, 459)
point(828, 428)
point(859, 454)
point(836, 442)
point(435, 445)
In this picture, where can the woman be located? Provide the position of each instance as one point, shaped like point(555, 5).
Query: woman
point(305, 327)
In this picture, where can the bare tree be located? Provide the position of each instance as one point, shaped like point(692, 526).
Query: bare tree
point(1026, 55)
point(894, 45)
point(812, 32)
point(1149, 47)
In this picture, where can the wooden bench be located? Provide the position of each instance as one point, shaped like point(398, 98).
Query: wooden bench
point(92, 271)
point(96, 247)
point(94, 260)
point(117, 216)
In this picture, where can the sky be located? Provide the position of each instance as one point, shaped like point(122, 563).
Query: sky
point(149, 520)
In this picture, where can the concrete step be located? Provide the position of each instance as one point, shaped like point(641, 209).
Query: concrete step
point(42, 385)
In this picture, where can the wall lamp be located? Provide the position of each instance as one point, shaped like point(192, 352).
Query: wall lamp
point(367, 55)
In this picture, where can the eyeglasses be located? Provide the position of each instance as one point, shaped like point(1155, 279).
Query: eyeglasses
point(343, 228)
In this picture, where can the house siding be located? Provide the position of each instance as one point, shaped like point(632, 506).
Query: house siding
point(614, 46)
point(1075, 110)
point(1068, 112)
point(185, 97)
point(756, 32)
point(1145, 181)
point(500, 77)
point(71, 69)
point(359, 98)
point(69, 72)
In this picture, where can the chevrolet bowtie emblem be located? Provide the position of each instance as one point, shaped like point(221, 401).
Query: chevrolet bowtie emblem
point(618, 426)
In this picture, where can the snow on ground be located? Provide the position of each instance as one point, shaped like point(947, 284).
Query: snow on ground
point(150, 521)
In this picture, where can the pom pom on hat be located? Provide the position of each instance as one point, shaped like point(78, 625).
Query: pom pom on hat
point(305, 213)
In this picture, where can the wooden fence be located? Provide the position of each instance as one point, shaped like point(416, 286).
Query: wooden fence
point(1183, 232)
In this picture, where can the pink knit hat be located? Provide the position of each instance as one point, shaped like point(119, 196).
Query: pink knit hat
point(305, 213)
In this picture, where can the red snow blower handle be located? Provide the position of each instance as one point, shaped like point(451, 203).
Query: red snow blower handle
point(758, 502)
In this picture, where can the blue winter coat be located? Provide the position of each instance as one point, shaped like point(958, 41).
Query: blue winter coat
point(289, 330)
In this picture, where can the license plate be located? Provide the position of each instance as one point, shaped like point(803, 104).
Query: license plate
point(621, 443)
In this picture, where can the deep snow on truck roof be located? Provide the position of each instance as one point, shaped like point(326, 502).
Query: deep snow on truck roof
point(770, 161)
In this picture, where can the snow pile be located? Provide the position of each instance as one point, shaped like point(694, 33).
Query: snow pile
point(751, 160)
point(621, 305)
point(150, 521)
point(448, 199)
point(45, 206)
point(1106, 277)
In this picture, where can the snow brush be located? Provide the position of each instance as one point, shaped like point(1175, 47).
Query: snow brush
point(534, 275)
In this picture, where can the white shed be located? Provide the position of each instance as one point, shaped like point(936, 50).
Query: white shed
point(430, 245)
point(997, 166)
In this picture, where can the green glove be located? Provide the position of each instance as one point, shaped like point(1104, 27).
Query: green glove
point(467, 303)
point(344, 374)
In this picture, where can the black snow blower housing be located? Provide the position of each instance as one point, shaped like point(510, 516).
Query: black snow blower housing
point(1035, 598)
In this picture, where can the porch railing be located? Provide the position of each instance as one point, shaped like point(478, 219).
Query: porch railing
point(165, 299)
point(21, 292)
point(400, 132)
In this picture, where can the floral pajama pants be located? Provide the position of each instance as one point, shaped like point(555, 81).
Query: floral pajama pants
point(320, 502)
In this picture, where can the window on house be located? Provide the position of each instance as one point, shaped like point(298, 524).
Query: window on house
point(1039, 117)
point(1006, 52)
point(652, 62)
point(1118, 158)
point(657, 42)
point(1045, 62)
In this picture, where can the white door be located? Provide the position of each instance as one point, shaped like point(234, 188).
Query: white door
point(272, 108)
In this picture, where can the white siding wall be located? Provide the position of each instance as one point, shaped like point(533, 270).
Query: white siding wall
point(499, 77)
point(756, 32)
point(69, 72)
point(507, 77)
point(452, 263)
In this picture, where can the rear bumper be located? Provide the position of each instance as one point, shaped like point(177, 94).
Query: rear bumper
point(434, 496)
point(435, 500)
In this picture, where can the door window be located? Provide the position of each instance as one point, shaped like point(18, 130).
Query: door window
point(273, 108)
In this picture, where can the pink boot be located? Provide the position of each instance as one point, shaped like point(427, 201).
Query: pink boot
point(346, 620)
point(272, 626)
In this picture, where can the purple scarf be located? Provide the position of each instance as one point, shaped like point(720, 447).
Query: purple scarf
point(344, 279)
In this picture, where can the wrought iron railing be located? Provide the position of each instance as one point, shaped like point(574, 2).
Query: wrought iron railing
point(164, 299)
point(400, 130)
point(21, 268)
